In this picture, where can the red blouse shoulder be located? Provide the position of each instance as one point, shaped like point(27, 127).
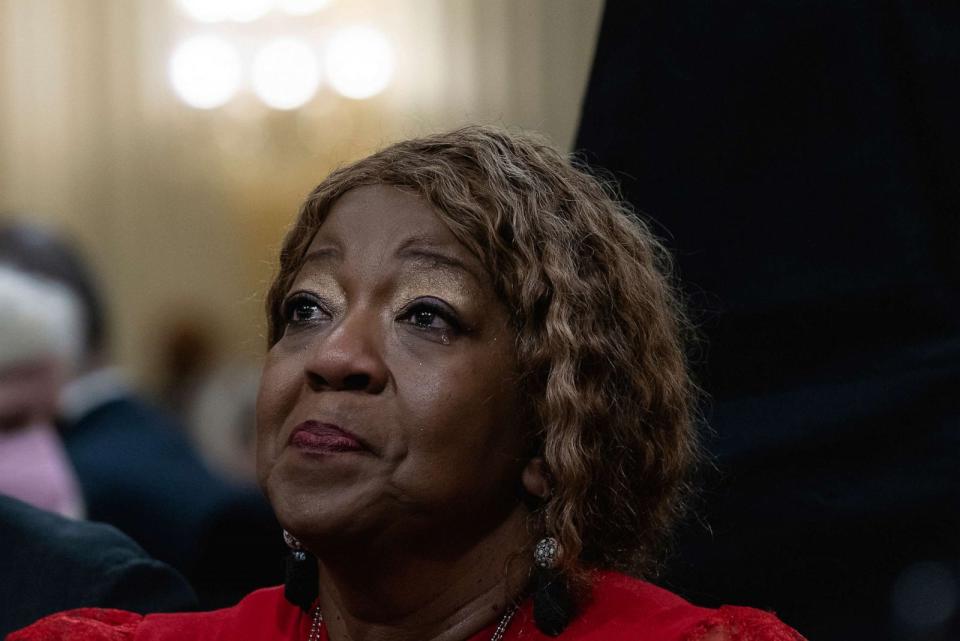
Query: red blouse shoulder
point(730, 623)
point(83, 624)
point(263, 614)
point(627, 609)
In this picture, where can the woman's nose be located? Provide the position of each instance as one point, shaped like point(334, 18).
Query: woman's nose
point(349, 358)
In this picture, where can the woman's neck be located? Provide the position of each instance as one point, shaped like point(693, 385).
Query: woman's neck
point(401, 596)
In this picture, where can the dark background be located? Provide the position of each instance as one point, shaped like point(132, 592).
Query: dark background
point(801, 159)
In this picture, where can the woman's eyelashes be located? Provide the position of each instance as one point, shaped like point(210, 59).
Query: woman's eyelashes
point(302, 309)
point(432, 316)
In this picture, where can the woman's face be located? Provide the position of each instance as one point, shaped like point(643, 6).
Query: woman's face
point(390, 406)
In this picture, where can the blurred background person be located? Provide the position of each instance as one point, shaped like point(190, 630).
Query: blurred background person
point(221, 418)
point(39, 348)
point(49, 560)
point(137, 469)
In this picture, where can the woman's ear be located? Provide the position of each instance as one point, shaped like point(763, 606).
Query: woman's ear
point(536, 479)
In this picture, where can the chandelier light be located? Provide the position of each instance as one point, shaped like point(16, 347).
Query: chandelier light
point(359, 62)
point(205, 71)
point(286, 74)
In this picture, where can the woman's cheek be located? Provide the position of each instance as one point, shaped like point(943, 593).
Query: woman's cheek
point(275, 400)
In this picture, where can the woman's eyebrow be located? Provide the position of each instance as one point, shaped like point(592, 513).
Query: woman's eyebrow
point(414, 250)
point(323, 254)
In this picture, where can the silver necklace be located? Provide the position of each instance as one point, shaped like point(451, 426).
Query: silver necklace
point(504, 623)
point(317, 620)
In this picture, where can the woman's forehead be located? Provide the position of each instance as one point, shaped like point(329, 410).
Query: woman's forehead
point(384, 225)
point(392, 223)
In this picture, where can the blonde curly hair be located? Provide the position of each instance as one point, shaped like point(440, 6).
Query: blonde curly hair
point(599, 329)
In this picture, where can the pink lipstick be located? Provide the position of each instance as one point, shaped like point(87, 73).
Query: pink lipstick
point(324, 438)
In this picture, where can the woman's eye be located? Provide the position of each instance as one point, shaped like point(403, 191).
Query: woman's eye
point(432, 317)
point(427, 319)
point(302, 309)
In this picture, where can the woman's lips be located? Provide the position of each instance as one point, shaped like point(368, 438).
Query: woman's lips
point(324, 438)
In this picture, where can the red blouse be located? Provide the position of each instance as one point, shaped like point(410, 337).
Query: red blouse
point(620, 609)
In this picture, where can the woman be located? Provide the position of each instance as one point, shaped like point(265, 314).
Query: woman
point(475, 413)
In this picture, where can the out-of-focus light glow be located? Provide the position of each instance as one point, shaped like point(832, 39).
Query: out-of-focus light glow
point(205, 71)
point(302, 7)
point(207, 10)
point(249, 10)
point(359, 62)
point(221, 10)
point(286, 74)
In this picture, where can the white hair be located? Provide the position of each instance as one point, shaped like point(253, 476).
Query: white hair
point(39, 318)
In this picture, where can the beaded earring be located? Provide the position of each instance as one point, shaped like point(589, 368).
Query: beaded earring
point(553, 605)
point(300, 586)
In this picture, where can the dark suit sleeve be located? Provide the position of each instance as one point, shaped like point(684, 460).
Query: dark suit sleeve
point(144, 585)
point(49, 564)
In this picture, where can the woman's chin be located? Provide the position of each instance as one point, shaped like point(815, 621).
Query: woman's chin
point(314, 511)
point(316, 524)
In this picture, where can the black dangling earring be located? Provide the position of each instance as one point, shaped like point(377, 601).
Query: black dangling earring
point(553, 606)
point(300, 587)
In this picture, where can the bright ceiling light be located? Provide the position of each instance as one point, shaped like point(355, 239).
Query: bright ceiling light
point(221, 10)
point(249, 10)
point(207, 10)
point(302, 7)
point(205, 71)
point(359, 62)
point(286, 74)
